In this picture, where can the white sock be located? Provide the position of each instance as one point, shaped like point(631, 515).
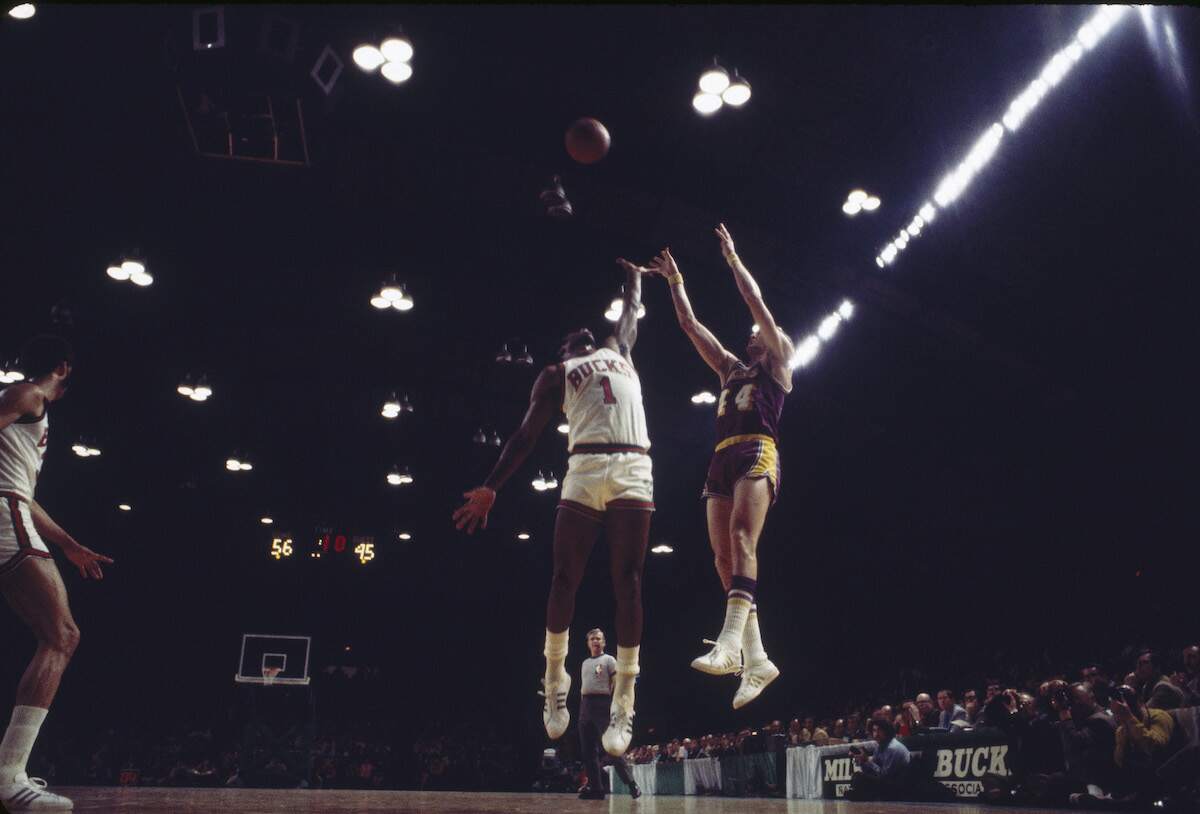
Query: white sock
point(556, 655)
point(18, 741)
point(736, 612)
point(752, 646)
point(627, 672)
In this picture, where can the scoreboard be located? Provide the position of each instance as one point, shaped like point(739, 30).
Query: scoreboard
point(326, 543)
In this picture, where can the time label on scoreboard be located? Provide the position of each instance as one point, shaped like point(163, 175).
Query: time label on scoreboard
point(331, 543)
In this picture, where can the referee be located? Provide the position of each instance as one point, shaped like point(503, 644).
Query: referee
point(595, 701)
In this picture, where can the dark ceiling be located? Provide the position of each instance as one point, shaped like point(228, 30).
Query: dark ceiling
point(1011, 407)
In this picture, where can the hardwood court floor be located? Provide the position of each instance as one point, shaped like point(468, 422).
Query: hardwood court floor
point(266, 801)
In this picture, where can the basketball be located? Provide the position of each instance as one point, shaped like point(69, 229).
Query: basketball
point(587, 141)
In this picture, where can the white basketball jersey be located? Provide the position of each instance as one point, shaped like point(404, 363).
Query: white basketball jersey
point(603, 401)
point(22, 446)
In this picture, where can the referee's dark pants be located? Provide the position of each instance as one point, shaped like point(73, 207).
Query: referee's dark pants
point(593, 720)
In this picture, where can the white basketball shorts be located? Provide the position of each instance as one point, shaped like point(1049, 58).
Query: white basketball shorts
point(18, 538)
point(598, 481)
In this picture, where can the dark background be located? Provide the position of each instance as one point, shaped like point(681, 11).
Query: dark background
point(991, 464)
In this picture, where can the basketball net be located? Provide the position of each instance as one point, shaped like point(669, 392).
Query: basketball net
point(269, 674)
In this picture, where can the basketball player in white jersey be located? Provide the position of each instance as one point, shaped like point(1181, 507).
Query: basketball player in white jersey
point(608, 486)
point(29, 579)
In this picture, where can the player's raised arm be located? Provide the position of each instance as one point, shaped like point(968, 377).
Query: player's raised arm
point(625, 333)
point(19, 400)
point(777, 341)
point(544, 403)
point(707, 345)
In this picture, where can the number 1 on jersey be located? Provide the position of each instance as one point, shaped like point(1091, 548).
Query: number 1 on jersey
point(609, 398)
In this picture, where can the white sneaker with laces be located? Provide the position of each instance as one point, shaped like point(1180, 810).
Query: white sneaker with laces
point(555, 715)
point(27, 793)
point(755, 678)
point(720, 661)
point(620, 731)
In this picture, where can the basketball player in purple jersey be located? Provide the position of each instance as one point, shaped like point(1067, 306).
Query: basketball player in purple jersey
point(744, 475)
point(29, 579)
point(608, 486)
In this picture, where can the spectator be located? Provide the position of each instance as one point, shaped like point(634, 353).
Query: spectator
point(838, 733)
point(950, 711)
point(928, 717)
point(1156, 691)
point(796, 733)
point(1091, 672)
point(1191, 676)
point(971, 706)
point(884, 775)
point(1141, 744)
point(1088, 735)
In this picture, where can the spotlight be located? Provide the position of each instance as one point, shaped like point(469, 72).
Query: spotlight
point(479, 437)
point(368, 57)
point(202, 391)
point(496, 439)
point(704, 397)
point(846, 309)
point(396, 72)
point(523, 535)
point(617, 306)
point(714, 80)
point(396, 49)
point(392, 294)
point(391, 407)
point(235, 464)
point(706, 104)
point(738, 92)
point(22, 12)
point(266, 520)
point(404, 535)
point(806, 351)
point(125, 507)
point(525, 358)
point(859, 201)
point(662, 548)
point(118, 273)
point(539, 483)
point(391, 290)
point(405, 476)
point(504, 356)
point(551, 482)
point(393, 478)
point(10, 372)
point(380, 302)
point(564, 428)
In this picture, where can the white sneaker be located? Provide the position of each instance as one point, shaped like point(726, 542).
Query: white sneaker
point(720, 661)
point(755, 678)
point(555, 715)
point(620, 731)
point(27, 793)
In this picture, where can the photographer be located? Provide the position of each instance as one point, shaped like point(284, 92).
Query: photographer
point(1141, 743)
point(884, 775)
point(1088, 734)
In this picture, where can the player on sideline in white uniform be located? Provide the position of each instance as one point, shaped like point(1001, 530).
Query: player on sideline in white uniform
point(29, 579)
point(608, 486)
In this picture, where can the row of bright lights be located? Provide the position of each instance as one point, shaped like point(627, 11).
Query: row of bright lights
point(718, 89)
point(956, 182)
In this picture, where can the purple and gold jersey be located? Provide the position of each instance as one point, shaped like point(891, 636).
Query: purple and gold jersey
point(750, 404)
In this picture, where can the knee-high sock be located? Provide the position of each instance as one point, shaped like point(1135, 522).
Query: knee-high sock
point(556, 655)
point(737, 609)
point(18, 741)
point(752, 646)
point(627, 671)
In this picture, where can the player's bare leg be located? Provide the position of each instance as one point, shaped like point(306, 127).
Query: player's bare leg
point(36, 592)
point(751, 500)
point(574, 537)
point(628, 534)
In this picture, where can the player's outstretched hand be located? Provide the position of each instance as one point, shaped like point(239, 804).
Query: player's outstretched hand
point(726, 241)
point(625, 264)
point(87, 561)
point(664, 264)
point(475, 511)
